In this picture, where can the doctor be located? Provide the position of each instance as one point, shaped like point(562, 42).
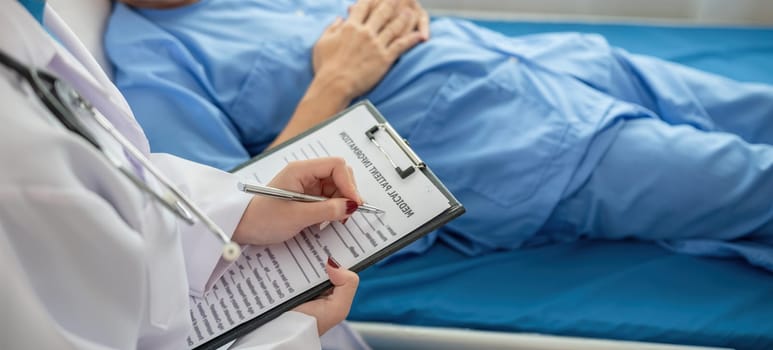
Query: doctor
point(89, 258)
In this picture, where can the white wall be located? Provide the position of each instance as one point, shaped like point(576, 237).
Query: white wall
point(754, 12)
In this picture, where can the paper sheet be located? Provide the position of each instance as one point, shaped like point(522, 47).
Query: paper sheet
point(265, 276)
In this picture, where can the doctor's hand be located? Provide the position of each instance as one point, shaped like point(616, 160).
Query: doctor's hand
point(333, 306)
point(357, 52)
point(270, 220)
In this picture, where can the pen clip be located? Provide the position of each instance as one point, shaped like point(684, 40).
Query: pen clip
point(400, 142)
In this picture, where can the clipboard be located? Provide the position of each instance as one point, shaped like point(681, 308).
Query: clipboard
point(401, 159)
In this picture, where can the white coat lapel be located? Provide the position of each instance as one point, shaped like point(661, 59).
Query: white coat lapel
point(90, 80)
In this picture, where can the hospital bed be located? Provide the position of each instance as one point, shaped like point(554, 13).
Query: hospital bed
point(623, 290)
point(583, 295)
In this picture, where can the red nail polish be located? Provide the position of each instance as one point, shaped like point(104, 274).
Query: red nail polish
point(351, 206)
point(332, 262)
point(343, 222)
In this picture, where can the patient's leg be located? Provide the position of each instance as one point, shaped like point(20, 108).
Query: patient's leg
point(682, 95)
point(674, 182)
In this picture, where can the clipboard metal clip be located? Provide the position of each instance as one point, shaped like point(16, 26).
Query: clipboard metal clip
point(403, 144)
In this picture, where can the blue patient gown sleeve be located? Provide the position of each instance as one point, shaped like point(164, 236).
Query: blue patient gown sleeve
point(175, 106)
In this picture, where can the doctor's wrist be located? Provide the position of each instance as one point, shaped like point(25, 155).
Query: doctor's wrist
point(249, 227)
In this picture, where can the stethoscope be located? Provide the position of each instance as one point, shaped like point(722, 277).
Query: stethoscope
point(69, 108)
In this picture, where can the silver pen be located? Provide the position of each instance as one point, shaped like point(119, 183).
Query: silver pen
point(295, 196)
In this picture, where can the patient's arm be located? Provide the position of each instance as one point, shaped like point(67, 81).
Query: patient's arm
point(353, 55)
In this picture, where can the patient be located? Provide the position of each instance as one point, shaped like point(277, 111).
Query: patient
point(543, 138)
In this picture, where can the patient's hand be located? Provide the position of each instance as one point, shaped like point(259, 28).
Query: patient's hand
point(353, 55)
point(358, 51)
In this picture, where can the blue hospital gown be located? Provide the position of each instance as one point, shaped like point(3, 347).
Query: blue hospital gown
point(543, 138)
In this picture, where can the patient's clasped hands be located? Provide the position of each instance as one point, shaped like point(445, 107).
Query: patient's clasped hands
point(357, 51)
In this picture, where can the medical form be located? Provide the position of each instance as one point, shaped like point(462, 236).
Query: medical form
point(265, 277)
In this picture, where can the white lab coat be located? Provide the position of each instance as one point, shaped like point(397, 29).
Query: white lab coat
point(88, 261)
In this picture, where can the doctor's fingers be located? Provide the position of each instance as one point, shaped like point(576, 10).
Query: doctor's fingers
point(328, 187)
point(332, 307)
point(339, 184)
point(333, 209)
point(330, 190)
point(313, 173)
point(345, 285)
